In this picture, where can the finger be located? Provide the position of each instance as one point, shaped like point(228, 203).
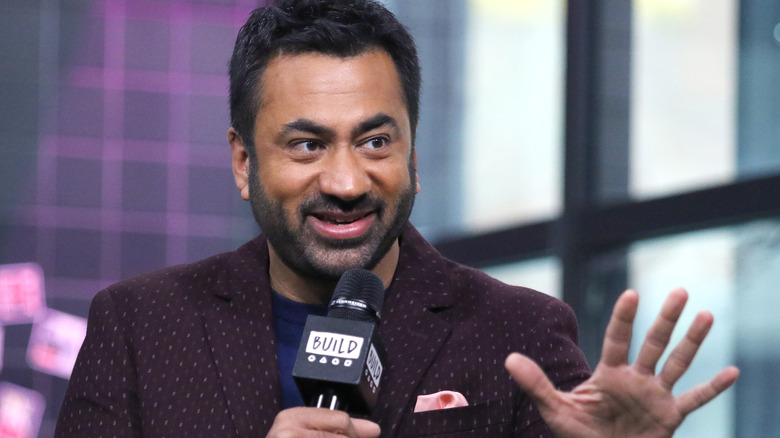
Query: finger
point(617, 338)
point(325, 421)
point(532, 380)
point(661, 331)
point(341, 424)
point(365, 428)
point(681, 357)
point(701, 394)
point(335, 422)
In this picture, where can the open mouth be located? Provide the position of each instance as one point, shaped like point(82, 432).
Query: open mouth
point(341, 225)
point(339, 218)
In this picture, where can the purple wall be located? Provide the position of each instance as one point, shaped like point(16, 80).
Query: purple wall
point(113, 151)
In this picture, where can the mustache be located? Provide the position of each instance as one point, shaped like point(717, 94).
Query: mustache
point(320, 203)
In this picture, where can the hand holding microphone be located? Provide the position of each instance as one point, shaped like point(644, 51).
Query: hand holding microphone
point(303, 422)
point(339, 364)
point(341, 359)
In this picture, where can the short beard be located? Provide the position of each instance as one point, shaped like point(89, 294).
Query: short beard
point(311, 258)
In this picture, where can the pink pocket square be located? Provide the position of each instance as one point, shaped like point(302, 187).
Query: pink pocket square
point(440, 400)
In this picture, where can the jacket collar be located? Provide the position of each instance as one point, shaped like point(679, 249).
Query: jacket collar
point(238, 321)
point(421, 269)
point(411, 330)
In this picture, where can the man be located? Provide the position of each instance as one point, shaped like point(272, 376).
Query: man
point(324, 106)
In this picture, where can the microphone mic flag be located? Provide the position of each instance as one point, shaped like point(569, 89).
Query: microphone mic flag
point(340, 360)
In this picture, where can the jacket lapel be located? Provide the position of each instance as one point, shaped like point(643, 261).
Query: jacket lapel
point(410, 329)
point(239, 329)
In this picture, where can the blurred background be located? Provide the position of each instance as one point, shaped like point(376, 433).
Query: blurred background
point(578, 148)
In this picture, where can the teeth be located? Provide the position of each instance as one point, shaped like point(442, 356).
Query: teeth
point(339, 221)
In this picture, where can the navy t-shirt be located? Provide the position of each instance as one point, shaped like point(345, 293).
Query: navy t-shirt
point(289, 320)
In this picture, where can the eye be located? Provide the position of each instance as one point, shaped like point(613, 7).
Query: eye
point(306, 146)
point(376, 142)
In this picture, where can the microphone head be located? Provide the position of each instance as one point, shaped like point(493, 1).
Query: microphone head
point(358, 297)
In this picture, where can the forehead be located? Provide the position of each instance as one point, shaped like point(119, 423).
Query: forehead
point(318, 79)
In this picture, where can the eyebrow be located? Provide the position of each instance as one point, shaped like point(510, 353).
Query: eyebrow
point(315, 129)
point(308, 126)
point(375, 122)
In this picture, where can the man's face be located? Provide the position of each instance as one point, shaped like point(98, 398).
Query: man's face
point(334, 180)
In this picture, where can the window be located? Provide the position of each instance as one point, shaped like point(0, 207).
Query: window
point(671, 177)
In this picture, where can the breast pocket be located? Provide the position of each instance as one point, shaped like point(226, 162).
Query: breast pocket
point(491, 419)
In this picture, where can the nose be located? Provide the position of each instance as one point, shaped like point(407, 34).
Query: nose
point(344, 175)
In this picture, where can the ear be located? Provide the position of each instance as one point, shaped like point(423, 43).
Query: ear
point(240, 163)
point(417, 187)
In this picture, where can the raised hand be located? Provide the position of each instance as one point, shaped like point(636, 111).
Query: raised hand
point(622, 400)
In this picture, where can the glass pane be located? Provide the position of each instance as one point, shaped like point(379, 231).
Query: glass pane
point(732, 272)
point(704, 89)
point(704, 264)
point(512, 160)
point(543, 274)
point(759, 87)
point(683, 100)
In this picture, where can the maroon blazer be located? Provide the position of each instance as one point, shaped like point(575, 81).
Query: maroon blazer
point(189, 351)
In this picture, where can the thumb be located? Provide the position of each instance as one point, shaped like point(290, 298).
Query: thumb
point(365, 428)
point(532, 380)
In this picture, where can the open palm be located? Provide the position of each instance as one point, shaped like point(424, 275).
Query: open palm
point(622, 400)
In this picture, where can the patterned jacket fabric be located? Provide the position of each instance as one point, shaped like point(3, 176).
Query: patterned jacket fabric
point(189, 351)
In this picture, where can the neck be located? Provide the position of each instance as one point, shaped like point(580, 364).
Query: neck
point(303, 289)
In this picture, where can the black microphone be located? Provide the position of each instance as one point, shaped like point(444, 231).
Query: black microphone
point(341, 359)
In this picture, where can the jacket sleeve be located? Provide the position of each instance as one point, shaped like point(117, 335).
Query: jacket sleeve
point(101, 399)
point(554, 348)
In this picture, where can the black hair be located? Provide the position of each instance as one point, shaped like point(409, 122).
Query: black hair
point(341, 28)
